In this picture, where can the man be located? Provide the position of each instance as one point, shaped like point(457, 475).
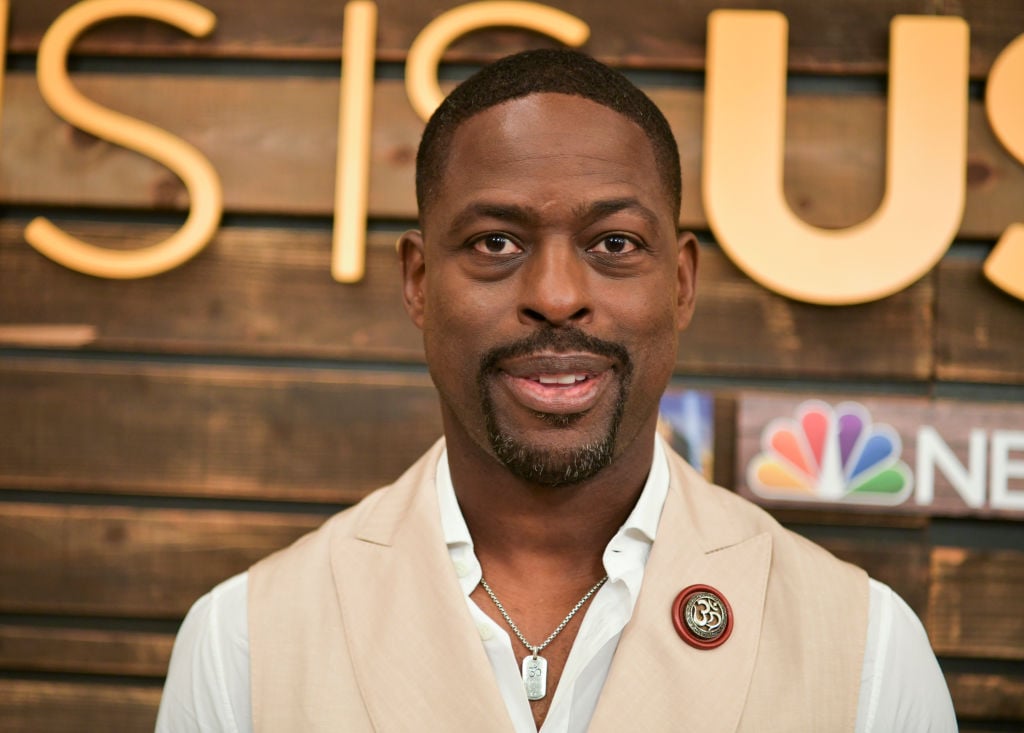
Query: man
point(551, 565)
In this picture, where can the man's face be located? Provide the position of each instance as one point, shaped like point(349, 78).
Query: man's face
point(550, 284)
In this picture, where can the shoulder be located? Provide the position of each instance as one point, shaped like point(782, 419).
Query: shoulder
point(375, 518)
point(720, 518)
point(315, 543)
point(208, 681)
point(902, 686)
point(207, 685)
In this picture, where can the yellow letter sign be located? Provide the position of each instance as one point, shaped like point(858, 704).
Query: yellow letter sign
point(425, 52)
point(5, 9)
point(191, 166)
point(1004, 103)
point(358, 47)
point(744, 135)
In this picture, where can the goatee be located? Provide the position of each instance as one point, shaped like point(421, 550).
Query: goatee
point(547, 465)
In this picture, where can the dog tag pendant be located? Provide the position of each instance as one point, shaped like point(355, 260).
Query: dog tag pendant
point(535, 677)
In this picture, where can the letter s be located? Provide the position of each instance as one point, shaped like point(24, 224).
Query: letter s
point(189, 164)
point(425, 52)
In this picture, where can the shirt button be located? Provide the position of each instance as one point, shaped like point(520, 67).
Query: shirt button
point(461, 568)
point(485, 631)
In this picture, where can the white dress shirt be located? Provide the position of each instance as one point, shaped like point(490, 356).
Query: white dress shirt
point(207, 688)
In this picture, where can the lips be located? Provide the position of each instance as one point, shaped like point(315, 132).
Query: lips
point(556, 384)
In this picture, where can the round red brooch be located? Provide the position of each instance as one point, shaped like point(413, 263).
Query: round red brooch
point(702, 616)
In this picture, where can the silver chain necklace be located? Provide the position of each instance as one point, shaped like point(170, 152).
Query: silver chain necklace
point(535, 667)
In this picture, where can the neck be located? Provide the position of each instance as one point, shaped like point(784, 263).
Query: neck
point(519, 526)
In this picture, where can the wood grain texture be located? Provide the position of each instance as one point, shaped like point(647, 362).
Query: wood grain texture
point(57, 707)
point(976, 603)
point(268, 292)
point(240, 432)
point(272, 140)
point(30, 706)
point(740, 327)
point(84, 651)
point(847, 518)
point(978, 329)
point(975, 696)
point(200, 388)
point(829, 37)
point(153, 563)
point(987, 696)
point(253, 292)
point(128, 563)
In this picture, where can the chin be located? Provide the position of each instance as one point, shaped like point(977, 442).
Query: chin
point(549, 464)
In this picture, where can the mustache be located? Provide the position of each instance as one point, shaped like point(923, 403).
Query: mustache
point(551, 339)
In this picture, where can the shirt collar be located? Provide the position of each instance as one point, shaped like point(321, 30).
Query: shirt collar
point(625, 556)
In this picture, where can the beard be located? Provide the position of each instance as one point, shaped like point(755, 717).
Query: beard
point(547, 465)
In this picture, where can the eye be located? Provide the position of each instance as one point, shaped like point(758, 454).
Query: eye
point(615, 244)
point(496, 244)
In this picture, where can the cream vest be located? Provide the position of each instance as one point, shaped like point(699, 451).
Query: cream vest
point(361, 626)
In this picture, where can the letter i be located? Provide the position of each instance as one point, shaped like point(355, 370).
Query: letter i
point(348, 260)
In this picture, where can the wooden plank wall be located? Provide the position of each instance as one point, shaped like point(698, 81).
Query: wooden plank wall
point(157, 436)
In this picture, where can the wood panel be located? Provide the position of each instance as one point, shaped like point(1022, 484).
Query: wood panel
point(268, 292)
point(235, 421)
point(987, 696)
point(30, 706)
point(977, 327)
point(976, 607)
point(742, 328)
point(123, 562)
point(831, 37)
point(975, 695)
point(33, 706)
point(273, 142)
point(241, 432)
point(154, 563)
point(84, 651)
point(255, 292)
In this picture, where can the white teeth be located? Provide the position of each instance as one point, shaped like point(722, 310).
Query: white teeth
point(561, 378)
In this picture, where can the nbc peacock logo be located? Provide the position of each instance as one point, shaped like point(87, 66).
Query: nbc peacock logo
point(830, 454)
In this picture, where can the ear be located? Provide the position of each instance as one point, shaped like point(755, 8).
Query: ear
point(686, 272)
point(414, 271)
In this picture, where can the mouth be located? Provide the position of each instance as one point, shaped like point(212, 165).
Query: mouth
point(557, 384)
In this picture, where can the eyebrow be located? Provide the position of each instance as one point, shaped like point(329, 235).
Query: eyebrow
point(524, 216)
point(598, 210)
point(487, 210)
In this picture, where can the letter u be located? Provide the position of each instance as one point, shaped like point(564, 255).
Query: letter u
point(744, 136)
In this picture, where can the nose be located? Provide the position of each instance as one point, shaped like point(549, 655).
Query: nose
point(554, 288)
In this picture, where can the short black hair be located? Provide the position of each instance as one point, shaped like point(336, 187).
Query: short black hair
point(557, 71)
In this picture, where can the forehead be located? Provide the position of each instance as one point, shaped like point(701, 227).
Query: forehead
point(550, 145)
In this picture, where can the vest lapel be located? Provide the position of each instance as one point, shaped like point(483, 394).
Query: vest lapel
point(657, 681)
point(417, 654)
